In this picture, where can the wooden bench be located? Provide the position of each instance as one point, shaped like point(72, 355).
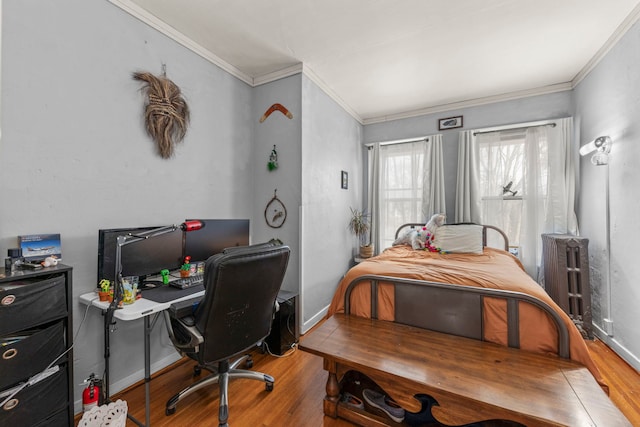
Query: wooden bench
point(471, 380)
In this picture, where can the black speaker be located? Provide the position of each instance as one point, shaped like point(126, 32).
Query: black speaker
point(284, 329)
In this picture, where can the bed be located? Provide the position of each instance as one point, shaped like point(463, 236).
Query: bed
point(451, 286)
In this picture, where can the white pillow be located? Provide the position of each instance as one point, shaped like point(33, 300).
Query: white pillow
point(459, 238)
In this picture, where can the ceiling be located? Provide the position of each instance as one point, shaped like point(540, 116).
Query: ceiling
point(387, 59)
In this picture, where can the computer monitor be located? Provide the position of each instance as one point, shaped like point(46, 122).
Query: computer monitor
point(142, 258)
point(216, 235)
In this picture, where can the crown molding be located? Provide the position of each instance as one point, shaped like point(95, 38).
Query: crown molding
point(332, 94)
point(308, 72)
point(277, 75)
point(151, 20)
point(560, 87)
point(622, 29)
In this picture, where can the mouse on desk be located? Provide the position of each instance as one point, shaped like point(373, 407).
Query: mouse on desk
point(149, 284)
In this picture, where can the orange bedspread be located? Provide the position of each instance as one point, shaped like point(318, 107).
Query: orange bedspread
point(493, 269)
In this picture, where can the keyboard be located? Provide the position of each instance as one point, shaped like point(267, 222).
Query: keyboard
point(187, 282)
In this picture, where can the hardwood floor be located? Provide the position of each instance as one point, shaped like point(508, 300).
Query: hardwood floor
point(296, 399)
point(623, 380)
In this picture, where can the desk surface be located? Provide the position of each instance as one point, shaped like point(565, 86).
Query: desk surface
point(141, 308)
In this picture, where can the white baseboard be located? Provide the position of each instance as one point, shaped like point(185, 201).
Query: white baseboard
point(137, 376)
point(314, 320)
point(619, 349)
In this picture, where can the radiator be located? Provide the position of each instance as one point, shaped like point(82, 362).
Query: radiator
point(566, 276)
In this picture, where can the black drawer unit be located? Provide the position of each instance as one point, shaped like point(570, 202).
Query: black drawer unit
point(35, 330)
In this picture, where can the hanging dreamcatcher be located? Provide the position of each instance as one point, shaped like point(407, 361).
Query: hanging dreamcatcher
point(166, 113)
point(275, 213)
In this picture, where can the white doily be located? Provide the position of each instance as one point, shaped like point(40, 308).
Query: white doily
point(112, 415)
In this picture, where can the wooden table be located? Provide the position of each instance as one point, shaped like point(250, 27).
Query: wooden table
point(471, 380)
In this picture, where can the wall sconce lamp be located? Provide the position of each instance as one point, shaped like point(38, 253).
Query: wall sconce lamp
point(602, 147)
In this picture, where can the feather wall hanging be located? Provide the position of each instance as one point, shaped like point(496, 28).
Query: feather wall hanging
point(166, 113)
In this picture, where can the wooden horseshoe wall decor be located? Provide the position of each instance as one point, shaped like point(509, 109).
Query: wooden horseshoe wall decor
point(275, 213)
point(276, 107)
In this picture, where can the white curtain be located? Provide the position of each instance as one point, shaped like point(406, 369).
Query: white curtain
point(406, 185)
point(526, 185)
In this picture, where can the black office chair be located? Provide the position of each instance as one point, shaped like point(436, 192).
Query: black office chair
point(235, 314)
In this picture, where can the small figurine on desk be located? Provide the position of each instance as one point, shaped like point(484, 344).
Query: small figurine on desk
point(165, 276)
point(185, 270)
point(105, 292)
point(50, 261)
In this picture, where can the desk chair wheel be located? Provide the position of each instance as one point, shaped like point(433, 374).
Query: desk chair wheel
point(197, 370)
point(268, 386)
point(170, 411)
point(249, 362)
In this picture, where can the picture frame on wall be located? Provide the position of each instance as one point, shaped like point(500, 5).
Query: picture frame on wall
point(344, 181)
point(450, 123)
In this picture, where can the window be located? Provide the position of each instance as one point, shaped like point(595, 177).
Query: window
point(505, 186)
point(406, 185)
point(400, 188)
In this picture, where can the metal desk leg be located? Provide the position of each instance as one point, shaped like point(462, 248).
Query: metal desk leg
point(148, 327)
point(147, 367)
point(107, 353)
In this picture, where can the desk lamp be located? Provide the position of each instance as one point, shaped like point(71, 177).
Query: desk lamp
point(118, 290)
point(133, 238)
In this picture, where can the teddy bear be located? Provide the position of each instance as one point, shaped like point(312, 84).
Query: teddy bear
point(436, 221)
point(416, 238)
point(421, 238)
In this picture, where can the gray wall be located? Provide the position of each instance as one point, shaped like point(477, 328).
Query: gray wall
point(331, 143)
point(607, 102)
point(313, 148)
point(285, 134)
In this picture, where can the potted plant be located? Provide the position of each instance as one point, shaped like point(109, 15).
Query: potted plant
point(185, 268)
point(106, 291)
point(359, 225)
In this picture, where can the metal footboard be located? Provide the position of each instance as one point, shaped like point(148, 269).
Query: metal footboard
point(454, 309)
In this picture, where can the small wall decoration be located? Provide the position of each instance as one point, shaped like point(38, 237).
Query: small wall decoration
point(273, 160)
point(344, 180)
point(275, 213)
point(450, 123)
point(276, 107)
point(166, 114)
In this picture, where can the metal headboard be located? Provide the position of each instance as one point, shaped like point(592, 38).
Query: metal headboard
point(484, 231)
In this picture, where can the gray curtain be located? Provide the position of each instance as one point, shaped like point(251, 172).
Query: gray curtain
point(434, 197)
point(467, 189)
point(374, 197)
